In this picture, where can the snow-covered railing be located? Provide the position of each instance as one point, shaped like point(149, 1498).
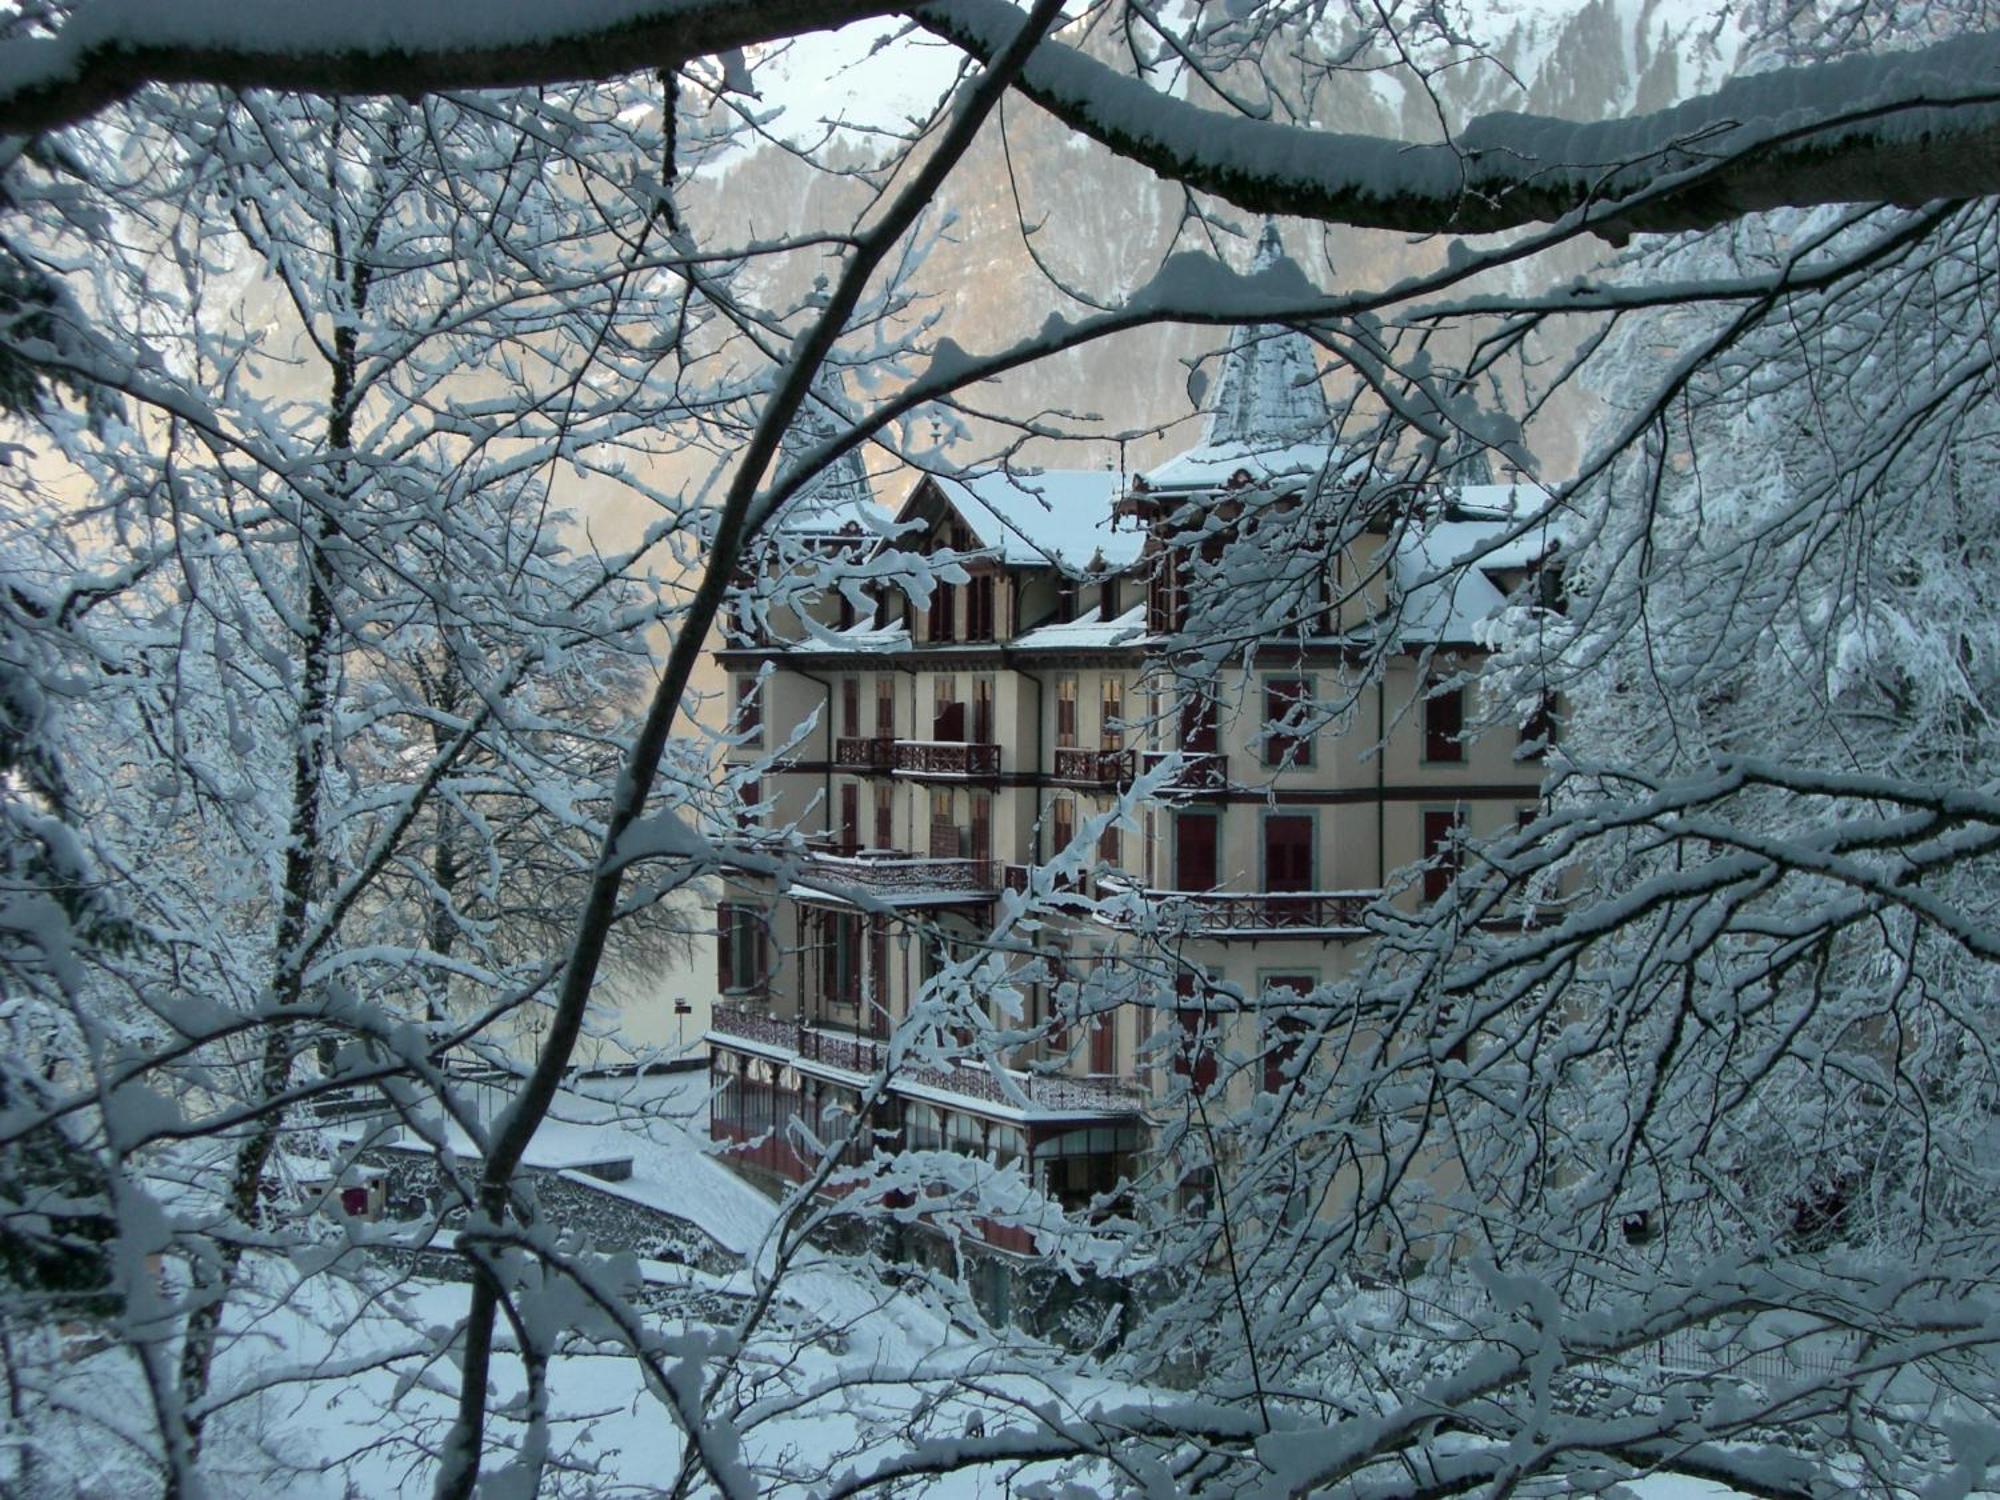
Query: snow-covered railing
point(856, 1053)
point(1254, 911)
point(902, 875)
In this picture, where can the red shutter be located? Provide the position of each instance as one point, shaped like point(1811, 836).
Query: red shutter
point(1280, 700)
point(850, 817)
point(1441, 854)
point(885, 835)
point(1288, 852)
point(1103, 1046)
point(1194, 851)
point(982, 712)
point(982, 827)
point(885, 709)
point(850, 707)
point(1444, 722)
point(1194, 1051)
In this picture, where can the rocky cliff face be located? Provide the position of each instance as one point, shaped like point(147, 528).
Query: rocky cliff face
point(1100, 225)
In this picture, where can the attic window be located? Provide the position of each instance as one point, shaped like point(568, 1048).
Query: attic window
point(1066, 599)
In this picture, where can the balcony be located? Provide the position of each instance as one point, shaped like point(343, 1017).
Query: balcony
point(862, 1054)
point(1200, 770)
point(866, 753)
point(1229, 912)
point(899, 879)
point(1081, 767)
point(958, 758)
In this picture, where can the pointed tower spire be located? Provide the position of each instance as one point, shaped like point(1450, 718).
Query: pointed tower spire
point(840, 492)
point(1268, 396)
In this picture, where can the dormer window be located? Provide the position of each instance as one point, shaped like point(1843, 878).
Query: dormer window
point(1066, 597)
point(979, 608)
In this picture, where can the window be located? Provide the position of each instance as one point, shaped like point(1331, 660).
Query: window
point(944, 832)
point(1288, 702)
point(885, 817)
point(749, 710)
point(842, 958)
point(947, 713)
point(1062, 825)
point(1288, 852)
point(1444, 832)
point(979, 608)
point(982, 710)
point(1107, 598)
point(982, 826)
point(1444, 724)
point(944, 608)
point(749, 798)
point(1198, 723)
point(1538, 732)
point(1284, 1032)
point(850, 817)
point(850, 707)
point(885, 708)
point(1194, 1047)
point(1066, 711)
point(1066, 597)
point(1111, 720)
point(739, 948)
point(1108, 845)
point(1194, 851)
point(1103, 1044)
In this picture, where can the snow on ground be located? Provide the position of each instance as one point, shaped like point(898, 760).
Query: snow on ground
point(335, 1388)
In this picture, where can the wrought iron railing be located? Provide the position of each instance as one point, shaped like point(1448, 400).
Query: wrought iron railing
point(1255, 911)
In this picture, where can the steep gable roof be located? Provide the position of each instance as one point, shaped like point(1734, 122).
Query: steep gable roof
point(1034, 518)
point(839, 496)
point(1268, 416)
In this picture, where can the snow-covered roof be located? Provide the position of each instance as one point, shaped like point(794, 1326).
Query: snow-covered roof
point(839, 495)
point(1268, 416)
point(1443, 574)
point(1088, 630)
point(1031, 517)
point(1211, 466)
point(866, 636)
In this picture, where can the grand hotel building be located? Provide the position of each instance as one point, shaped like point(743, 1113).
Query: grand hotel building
point(941, 755)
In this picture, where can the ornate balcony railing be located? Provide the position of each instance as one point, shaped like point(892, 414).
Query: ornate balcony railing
point(947, 758)
point(1201, 771)
point(863, 1054)
point(1257, 911)
point(1093, 767)
point(890, 875)
point(867, 753)
point(754, 1026)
